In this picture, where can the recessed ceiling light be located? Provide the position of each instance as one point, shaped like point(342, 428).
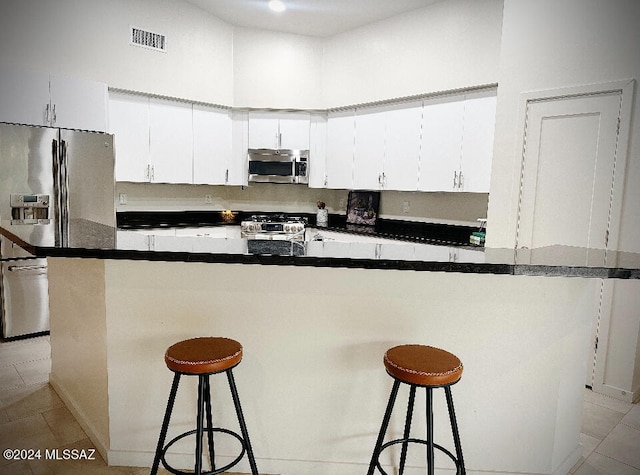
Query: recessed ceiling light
point(277, 6)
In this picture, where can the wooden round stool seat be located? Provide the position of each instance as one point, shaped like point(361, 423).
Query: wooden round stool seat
point(203, 355)
point(423, 365)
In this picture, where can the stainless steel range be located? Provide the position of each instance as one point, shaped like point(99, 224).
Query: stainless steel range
point(275, 234)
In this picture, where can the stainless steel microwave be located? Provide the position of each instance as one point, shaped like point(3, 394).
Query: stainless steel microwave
point(278, 166)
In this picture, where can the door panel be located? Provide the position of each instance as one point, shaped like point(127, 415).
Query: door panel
point(568, 165)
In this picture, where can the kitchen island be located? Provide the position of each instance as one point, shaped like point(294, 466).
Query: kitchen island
point(314, 329)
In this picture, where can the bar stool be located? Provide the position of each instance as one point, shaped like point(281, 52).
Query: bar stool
point(427, 367)
point(203, 357)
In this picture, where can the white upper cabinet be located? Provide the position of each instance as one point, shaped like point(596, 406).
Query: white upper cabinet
point(54, 101)
point(170, 141)
point(318, 151)
point(369, 148)
point(340, 149)
point(24, 97)
point(129, 123)
point(212, 145)
point(239, 163)
point(78, 104)
point(279, 130)
point(457, 143)
point(441, 144)
point(402, 147)
point(477, 143)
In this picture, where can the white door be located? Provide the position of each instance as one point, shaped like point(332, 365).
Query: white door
point(441, 144)
point(402, 147)
point(171, 141)
point(340, 147)
point(78, 104)
point(263, 130)
point(568, 171)
point(212, 141)
point(294, 128)
point(477, 142)
point(24, 97)
point(574, 157)
point(369, 149)
point(129, 123)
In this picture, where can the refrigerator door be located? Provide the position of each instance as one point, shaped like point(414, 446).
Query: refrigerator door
point(26, 163)
point(88, 184)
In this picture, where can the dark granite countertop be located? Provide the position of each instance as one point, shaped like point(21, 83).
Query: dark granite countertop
point(93, 240)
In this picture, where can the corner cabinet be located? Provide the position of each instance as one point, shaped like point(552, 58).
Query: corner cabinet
point(32, 98)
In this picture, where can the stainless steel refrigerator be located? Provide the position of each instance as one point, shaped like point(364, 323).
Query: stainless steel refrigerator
point(48, 178)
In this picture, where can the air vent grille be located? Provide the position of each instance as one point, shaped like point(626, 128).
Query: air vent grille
point(148, 39)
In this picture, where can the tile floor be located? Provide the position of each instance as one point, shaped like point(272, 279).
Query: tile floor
point(32, 415)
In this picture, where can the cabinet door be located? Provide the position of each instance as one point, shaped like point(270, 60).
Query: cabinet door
point(441, 144)
point(340, 147)
point(317, 151)
point(402, 147)
point(78, 104)
point(263, 130)
point(171, 141)
point(24, 97)
point(239, 164)
point(211, 145)
point(294, 130)
point(129, 123)
point(369, 149)
point(477, 143)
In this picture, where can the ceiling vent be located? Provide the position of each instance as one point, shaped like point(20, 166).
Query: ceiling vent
point(148, 39)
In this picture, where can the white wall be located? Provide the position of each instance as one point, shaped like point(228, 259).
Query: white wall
point(90, 40)
point(446, 45)
point(546, 45)
point(276, 70)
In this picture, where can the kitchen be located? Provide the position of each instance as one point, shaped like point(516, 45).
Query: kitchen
point(492, 50)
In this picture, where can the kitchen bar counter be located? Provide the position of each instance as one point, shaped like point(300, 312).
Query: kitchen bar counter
point(88, 239)
point(314, 330)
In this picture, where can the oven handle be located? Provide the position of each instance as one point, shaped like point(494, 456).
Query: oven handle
point(26, 268)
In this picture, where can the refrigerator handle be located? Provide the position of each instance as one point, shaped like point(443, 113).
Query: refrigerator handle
point(57, 185)
point(64, 195)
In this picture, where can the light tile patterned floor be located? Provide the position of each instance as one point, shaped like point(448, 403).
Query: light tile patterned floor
point(32, 415)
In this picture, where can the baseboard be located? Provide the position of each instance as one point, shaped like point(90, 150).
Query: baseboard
point(100, 444)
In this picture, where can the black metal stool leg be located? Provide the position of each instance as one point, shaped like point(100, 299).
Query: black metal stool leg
point(383, 427)
point(430, 452)
point(207, 400)
point(407, 428)
point(199, 425)
point(243, 425)
point(456, 434)
point(165, 423)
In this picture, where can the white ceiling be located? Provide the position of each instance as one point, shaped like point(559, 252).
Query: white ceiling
point(308, 17)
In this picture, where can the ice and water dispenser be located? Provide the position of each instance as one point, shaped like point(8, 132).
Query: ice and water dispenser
point(29, 208)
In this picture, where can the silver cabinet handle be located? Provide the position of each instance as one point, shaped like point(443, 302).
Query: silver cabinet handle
point(455, 179)
point(226, 176)
point(46, 114)
point(460, 182)
point(26, 268)
point(53, 122)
